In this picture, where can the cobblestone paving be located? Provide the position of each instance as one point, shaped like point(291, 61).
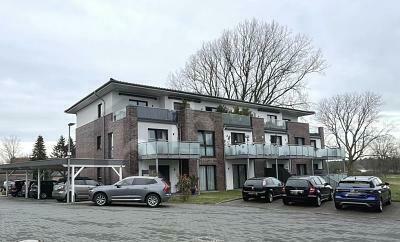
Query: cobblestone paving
point(235, 221)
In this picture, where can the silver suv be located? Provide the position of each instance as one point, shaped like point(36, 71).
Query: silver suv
point(142, 189)
point(82, 186)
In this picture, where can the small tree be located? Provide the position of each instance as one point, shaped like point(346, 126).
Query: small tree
point(39, 150)
point(184, 185)
point(60, 149)
point(9, 148)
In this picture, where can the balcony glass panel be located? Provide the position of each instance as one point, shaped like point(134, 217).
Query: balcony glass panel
point(275, 124)
point(236, 120)
point(168, 148)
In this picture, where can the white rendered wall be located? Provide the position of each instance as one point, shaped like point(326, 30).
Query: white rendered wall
point(143, 134)
point(267, 136)
point(318, 142)
point(89, 113)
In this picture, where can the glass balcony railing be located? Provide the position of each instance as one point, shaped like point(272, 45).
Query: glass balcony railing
point(172, 149)
point(236, 120)
point(275, 124)
point(273, 151)
point(147, 113)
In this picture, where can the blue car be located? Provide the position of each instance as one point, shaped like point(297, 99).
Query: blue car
point(368, 191)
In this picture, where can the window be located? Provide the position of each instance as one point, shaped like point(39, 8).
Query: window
point(91, 183)
point(180, 106)
point(79, 182)
point(206, 140)
point(138, 103)
point(211, 109)
point(98, 142)
point(158, 135)
point(272, 117)
point(299, 140)
point(313, 143)
point(276, 139)
point(110, 146)
point(99, 110)
point(142, 181)
point(315, 167)
point(237, 138)
point(125, 182)
point(207, 178)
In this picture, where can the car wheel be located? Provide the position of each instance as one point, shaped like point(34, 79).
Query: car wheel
point(330, 196)
point(389, 201)
point(100, 199)
point(318, 201)
point(269, 198)
point(338, 206)
point(43, 195)
point(245, 198)
point(379, 206)
point(153, 200)
point(285, 201)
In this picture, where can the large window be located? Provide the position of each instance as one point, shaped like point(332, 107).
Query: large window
point(99, 110)
point(138, 102)
point(98, 140)
point(207, 178)
point(110, 145)
point(206, 140)
point(272, 117)
point(313, 143)
point(276, 139)
point(158, 135)
point(211, 109)
point(299, 141)
point(237, 138)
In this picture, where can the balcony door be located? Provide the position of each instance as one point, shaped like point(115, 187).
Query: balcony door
point(239, 175)
point(301, 169)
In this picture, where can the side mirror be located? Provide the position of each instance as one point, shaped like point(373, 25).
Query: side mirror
point(387, 183)
point(326, 184)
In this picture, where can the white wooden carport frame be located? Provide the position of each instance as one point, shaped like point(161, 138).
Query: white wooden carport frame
point(56, 164)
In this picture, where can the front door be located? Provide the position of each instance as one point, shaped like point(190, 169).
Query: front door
point(163, 172)
point(301, 169)
point(239, 175)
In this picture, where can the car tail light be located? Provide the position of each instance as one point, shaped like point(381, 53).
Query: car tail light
point(264, 183)
point(312, 190)
point(166, 187)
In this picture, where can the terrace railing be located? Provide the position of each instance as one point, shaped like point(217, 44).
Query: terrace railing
point(166, 149)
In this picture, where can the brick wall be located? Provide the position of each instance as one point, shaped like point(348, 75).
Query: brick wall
point(295, 129)
point(191, 121)
point(257, 125)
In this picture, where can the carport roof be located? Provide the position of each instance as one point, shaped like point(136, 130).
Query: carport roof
point(62, 163)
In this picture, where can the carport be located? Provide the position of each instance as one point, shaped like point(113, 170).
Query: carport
point(76, 167)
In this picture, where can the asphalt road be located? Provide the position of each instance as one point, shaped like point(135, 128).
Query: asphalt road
point(48, 220)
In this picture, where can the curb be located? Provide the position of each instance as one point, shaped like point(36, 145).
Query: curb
point(229, 200)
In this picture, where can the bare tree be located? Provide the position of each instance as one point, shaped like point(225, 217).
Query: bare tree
point(10, 148)
point(353, 121)
point(256, 62)
point(385, 147)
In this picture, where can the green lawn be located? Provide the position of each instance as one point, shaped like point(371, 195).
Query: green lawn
point(209, 197)
point(394, 181)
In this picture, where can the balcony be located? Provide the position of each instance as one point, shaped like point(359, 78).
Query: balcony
point(149, 114)
point(236, 120)
point(274, 124)
point(281, 152)
point(169, 150)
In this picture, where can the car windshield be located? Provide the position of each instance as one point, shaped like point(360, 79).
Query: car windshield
point(252, 182)
point(365, 184)
point(297, 183)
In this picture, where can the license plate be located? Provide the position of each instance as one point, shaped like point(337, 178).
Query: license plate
point(354, 194)
point(252, 193)
point(296, 192)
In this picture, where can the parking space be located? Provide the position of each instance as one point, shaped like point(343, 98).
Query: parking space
point(235, 221)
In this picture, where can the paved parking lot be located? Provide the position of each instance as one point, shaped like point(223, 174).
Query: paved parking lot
point(234, 221)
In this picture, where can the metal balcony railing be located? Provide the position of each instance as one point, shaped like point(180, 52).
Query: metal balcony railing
point(273, 151)
point(236, 120)
point(160, 114)
point(275, 124)
point(165, 149)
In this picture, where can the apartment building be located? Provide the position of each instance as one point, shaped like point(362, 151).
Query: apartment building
point(171, 133)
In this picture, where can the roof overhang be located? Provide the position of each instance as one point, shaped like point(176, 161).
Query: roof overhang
point(60, 164)
point(125, 88)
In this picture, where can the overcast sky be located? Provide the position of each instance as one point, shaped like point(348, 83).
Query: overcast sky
point(52, 53)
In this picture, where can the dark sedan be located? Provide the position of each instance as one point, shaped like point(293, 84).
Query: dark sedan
point(367, 191)
point(311, 189)
point(266, 188)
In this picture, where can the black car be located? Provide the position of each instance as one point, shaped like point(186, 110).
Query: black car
point(267, 188)
point(16, 188)
point(310, 189)
point(368, 191)
point(46, 189)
